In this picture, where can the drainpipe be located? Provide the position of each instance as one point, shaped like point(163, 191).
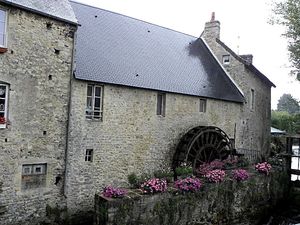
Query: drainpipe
point(69, 113)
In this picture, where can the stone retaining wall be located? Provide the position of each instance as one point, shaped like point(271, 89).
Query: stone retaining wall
point(230, 202)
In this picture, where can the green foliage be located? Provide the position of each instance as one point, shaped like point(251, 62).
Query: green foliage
point(288, 103)
point(135, 181)
point(184, 170)
point(163, 174)
point(287, 13)
point(285, 121)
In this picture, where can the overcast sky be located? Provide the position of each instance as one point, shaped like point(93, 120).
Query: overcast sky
point(244, 28)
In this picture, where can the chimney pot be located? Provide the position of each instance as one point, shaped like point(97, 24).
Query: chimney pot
point(212, 17)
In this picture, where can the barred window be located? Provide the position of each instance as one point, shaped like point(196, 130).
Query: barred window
point(89, 155)
point(94, 102)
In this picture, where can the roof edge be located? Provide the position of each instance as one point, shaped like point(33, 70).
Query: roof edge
point(248, 65)
point(38, 12)
point(153, 89)
point(227, 74)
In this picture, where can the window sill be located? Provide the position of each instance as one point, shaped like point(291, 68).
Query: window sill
point(3, 49)
point(2, 126)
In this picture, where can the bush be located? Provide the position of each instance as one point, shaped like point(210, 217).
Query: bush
point(189, 184)
point(154, 185)
point(133, 180)
point(215, 176)
point(240, 174)
point(184, 170)
point(112, 192)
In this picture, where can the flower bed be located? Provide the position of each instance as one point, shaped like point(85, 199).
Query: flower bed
point(240, 174)
point(154, 185)
point(112, 192)
point(189, 184)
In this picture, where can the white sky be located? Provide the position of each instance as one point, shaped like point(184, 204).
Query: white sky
point(247, 20)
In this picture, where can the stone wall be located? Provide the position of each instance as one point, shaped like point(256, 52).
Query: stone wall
point(254, 127)
point(227, 203)
point(37, 67)
point(131, 137)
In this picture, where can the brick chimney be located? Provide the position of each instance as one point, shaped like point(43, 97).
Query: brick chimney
point(212, 29)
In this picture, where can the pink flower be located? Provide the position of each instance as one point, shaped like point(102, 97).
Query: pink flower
point(112, 192)
point(215, 176)
point(263, 168)
point(240, 174)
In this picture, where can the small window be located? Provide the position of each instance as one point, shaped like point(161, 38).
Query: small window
point(3, 28)
point(252, 99)
point(202, 107)
point(89, 155)
point(226, 59)
point(33, 176)
point(94, 102)
point(3, 105)
point(161, 104)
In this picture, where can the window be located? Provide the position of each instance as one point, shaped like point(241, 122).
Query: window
point(161, 104)
point(33, 176)
point(89, 155)
point(94, 102)
point(3, 104)
point(252, 99)
point(226, 59)
point(2, 28)
point(202, 107)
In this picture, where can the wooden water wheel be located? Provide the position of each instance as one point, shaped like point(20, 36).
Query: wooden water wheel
point(201, 145)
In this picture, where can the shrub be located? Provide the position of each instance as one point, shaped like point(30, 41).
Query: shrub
point(133, 180)
point(263, 168)
point(112, 192)
point(215, 176)
point(184, 170)
point(189, 184)
point(165, 173)
point(240, 174)
point(154, 185)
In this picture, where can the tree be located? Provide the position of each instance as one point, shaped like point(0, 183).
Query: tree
point(285, 121)
point(288, 103)
point(287, 13)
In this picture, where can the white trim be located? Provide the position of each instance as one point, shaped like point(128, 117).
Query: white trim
point(5, 28)
point(5, 105)
point(239, 89)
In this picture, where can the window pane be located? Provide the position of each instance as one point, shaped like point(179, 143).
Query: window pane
point(97, 103)
point(159, 104)
point(89, 90)
point(2, 39)
point(2, 28)
point(89, 103)
point(2, 15)
point(2, 91)
point(2, 105)
point(97, 91)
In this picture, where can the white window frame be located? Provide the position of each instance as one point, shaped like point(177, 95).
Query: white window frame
point(32, 169)
point(5, 28)
point(202, 105)
point(5, 105)
point(226, 59)
point(92, 111)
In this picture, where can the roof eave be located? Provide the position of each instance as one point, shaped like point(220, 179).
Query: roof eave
point(38, 12)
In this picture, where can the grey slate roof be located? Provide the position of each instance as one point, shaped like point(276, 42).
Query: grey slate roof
point(116, 49)
point(57, 9)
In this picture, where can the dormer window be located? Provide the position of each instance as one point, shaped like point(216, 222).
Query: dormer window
point(226, 59)
point(3, 22)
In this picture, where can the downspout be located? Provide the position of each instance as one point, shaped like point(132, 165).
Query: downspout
point(69, 113)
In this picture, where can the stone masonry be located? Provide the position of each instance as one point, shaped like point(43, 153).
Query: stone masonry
point(39, 90)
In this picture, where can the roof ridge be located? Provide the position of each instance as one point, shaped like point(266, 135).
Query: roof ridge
point(153, 24)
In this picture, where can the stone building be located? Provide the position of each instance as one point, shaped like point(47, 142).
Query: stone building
point(81, 113)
